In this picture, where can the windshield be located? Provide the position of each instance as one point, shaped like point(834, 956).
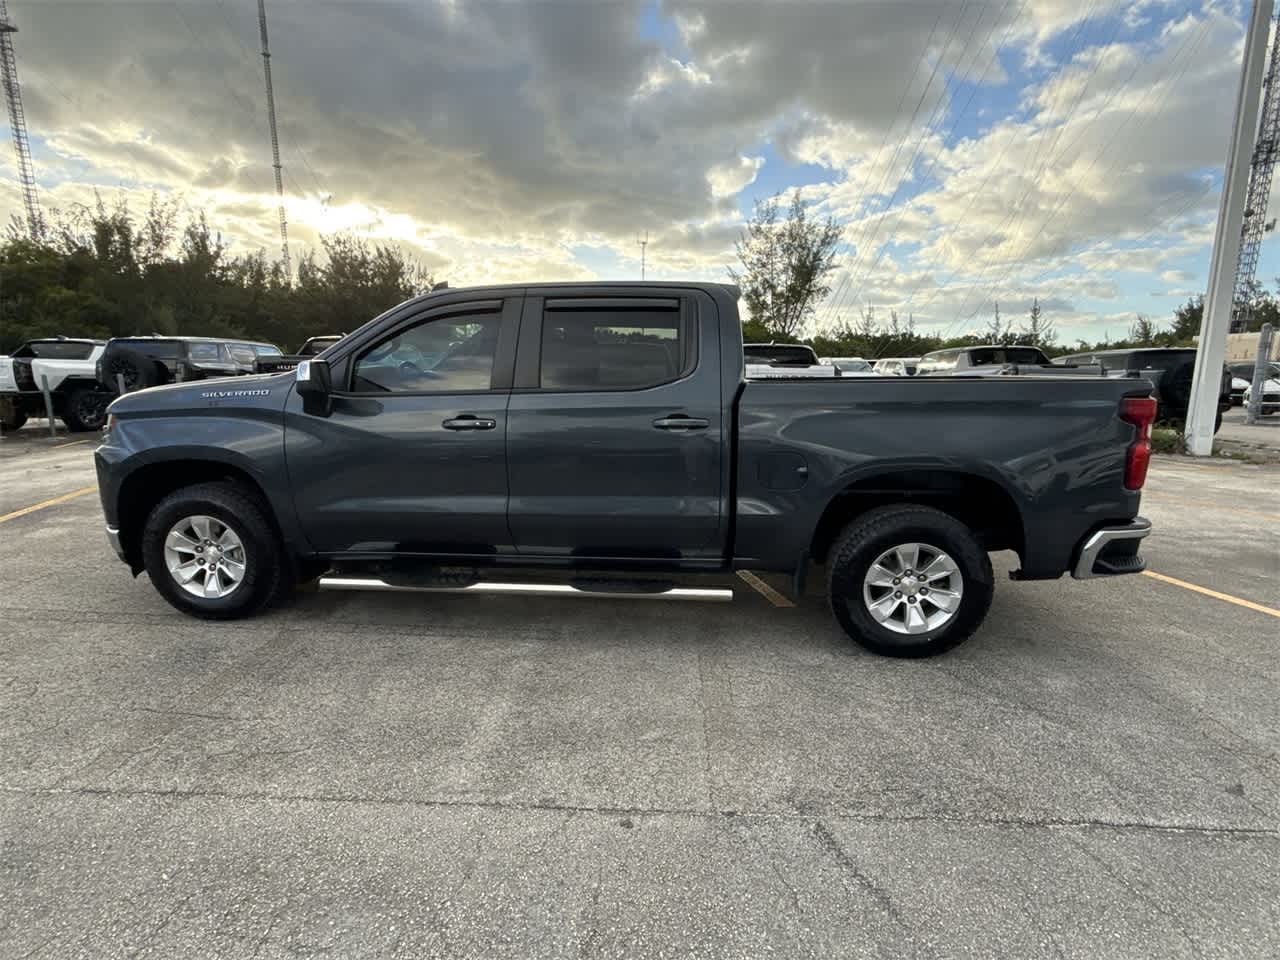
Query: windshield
point(791, 354)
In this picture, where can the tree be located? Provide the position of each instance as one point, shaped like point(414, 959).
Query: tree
point(1143, 332)
point(996, 331)
point(1039, 332)
point(785, 264)
point(1186, 321)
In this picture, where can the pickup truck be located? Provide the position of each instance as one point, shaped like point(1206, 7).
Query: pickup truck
point(610, 428)
point(786, 361)
point(66, 365)
point(281, 362)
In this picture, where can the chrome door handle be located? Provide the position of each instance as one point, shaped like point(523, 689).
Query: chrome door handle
point(681, 423)
point(469, 423)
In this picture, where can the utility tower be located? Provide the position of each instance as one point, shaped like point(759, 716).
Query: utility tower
point(18, 124)
point(275, 140)
point(643, 244)
point(1255, 206)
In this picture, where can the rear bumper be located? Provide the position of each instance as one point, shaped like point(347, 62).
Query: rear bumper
point(1112, 550)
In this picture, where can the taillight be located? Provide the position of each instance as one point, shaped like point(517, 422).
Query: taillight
point(1141, 412)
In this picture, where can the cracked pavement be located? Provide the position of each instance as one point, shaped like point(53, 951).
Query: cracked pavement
point(1094, 775)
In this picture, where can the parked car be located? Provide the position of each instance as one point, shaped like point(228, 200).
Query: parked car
point(1241, 377)
point(580, 426)
point(979, 357)
point(313, 346)
point(783, 361)
point(67, 366)
point(1270, 390)
point(896, 366)
point(149, 361)
point(1169, 369)
point(850, 366)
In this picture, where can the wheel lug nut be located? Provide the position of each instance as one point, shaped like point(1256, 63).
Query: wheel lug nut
point(911, 599)
point(897, 593)
point(897, 580)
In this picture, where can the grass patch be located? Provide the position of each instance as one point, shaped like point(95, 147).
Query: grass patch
point(1167, 440)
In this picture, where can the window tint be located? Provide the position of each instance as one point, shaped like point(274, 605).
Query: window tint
point(55, 350)
point(266, 350)
point(611, 349)
point(440, 355)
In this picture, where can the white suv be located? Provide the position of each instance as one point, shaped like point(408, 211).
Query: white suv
point(67, 366)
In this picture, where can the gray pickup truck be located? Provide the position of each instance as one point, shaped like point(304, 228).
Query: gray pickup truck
point(609, 428)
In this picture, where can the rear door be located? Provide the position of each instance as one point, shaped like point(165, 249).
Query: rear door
point(411, 457)
point(614, 429)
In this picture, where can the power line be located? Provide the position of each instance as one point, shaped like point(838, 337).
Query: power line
point(954, 123)
point(897, 111)
point(860, 247)
point(1049, 156)
point(1167, 86)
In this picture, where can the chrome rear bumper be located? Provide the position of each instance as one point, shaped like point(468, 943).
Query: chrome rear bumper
point(1124, 558)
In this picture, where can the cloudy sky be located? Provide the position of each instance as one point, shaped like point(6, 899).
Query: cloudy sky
point(976, 150)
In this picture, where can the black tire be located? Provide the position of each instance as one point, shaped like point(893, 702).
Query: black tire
point(138, 371)
point(85, 409)
point(1217, 422)
point(244, 512)
point(867, 537)
point(11, 419)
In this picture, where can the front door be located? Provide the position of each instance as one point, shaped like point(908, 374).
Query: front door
point(614, 432)
point(411, 458)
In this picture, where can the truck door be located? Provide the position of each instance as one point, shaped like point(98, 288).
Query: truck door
point(411, 459)
point(614, 429)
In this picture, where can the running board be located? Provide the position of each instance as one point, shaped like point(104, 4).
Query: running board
point(600, 589)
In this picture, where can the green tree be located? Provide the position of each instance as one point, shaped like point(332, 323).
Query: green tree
point(785, 264)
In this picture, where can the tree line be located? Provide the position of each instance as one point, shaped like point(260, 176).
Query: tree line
point(103, 271)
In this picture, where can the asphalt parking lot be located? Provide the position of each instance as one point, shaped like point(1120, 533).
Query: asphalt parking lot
point(1096, 774)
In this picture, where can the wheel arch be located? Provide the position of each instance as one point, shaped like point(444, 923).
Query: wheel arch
point(150, 483)
point(983, 504)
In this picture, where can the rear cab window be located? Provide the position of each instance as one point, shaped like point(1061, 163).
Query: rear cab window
point(624, 344)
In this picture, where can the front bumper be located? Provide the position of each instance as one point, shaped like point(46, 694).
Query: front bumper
point(1112, 550)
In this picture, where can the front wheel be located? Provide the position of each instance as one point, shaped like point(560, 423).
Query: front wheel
point(908, 581)
point(211, 551)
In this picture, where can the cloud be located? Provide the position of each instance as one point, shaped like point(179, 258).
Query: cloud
point(494, 139)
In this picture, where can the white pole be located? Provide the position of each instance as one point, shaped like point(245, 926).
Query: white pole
point(1207, 382)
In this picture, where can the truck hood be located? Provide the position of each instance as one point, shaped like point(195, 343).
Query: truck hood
point(263, 392)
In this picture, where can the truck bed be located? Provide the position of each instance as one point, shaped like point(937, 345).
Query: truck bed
point(1052, 448)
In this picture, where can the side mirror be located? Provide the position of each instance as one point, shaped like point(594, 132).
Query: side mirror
point(312, 378)
point(313, 383)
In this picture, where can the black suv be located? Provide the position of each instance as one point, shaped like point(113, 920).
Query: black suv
point(148, 361)
point(1169, 369)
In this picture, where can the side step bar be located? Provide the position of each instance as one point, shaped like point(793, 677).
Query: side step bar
point(624, 590)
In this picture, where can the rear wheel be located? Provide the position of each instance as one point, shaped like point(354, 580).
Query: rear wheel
point(908, 581)
point(86, 409)
point(212, 552)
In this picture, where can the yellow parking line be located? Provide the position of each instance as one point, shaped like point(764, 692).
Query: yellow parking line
point(1238, 601)
point(47, 503)
point(762, 588)
point(71, 443)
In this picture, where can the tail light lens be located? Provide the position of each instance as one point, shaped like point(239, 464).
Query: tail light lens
point(1141, 412)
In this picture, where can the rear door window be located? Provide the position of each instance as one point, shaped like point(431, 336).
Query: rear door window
point(590, 346)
